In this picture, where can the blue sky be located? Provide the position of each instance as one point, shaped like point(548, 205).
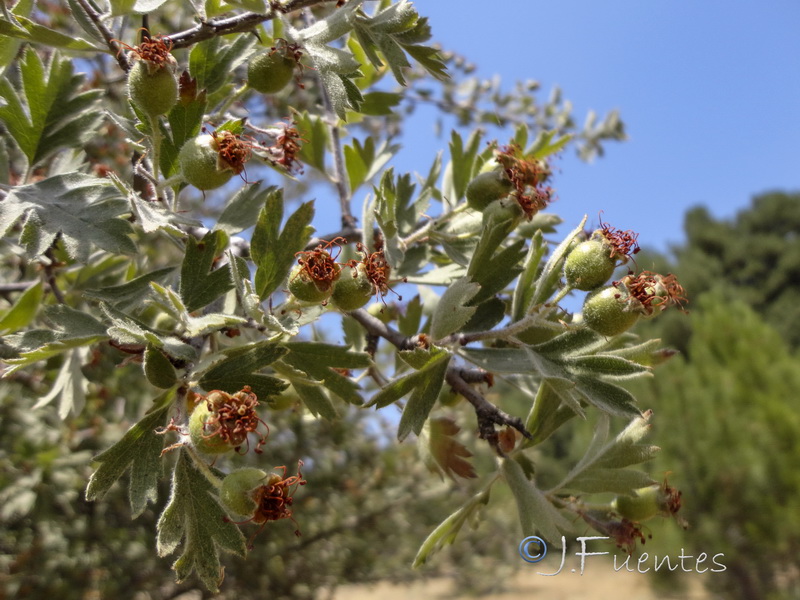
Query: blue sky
point(709, 92)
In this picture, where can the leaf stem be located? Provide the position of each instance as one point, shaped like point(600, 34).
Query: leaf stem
point(203, 467)
point(420, 233)
point(155, 139)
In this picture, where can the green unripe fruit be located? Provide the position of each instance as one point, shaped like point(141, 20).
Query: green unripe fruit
point(488, 187)
point(302, 287)
point(506, 210)
point(589, 265)
point(236, 493)
point(353, 289)
point(201, 165)
point(645, 504)
point(202, 430)
point(608, 312)
point(152, 89)
point(270, 72)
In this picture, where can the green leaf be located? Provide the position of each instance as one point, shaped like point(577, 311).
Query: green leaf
point(69, 385)
point(158, 369)
point(199, 284)
point(544, 145)
point(316, 401)
point(606, 365)
point(315, 133)
point(570, 342)
point(503, 271)
point(487, 315)
point(429, 382)
point(152, 216)
point(336, 68)
point(130, 294)
point(363, 162)
point(274, 252)
point(452, 313)
point(536, 513)
point(462, 162)
point(30, 31)
point(194, 514)
point(241, 211)
point(395, 31)
point(608, 397)
point(127, 330)
point(185, 121)
point(409, 323)
point(58, 114)
point(140, 450)
point(598, 480)
point(240, 368)
point(212, 61)
point(547, 414)
point(380, 104)
point(80, 208)
point(494, 233)
point(551, 272)
point(9, 46)
point(70, 329)
point(319, 362)
point(24, 309)
point(448, 529)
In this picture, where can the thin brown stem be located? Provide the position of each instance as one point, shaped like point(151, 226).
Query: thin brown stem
point(488, 414)
point(111, 42)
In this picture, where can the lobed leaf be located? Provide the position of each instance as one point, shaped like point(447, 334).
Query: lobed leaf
point(199, 284)
point(240, 367)
point(273, 250)
point(83, 210)
point(195, 516)
point(452, 312)
point(447, 530)
point(429, 381)
point(50, 112)
point(140, 451)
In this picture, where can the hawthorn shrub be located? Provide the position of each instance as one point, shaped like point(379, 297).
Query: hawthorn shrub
point(175, 296)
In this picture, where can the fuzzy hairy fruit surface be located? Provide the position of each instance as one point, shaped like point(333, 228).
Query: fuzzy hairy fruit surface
point(236, 493)
point(607, 312)
point(353, 289)
point(488, 187)
point(645, 504)
point(152, 90)
point(305, 289)
point(200, 163)
point(505, 210)
point(589, 265)
point(202, 433)
point(270, 72)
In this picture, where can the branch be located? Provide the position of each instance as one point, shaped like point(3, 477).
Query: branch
point(111, 42)
point(375, 326)
point(488, 414)
point(351, 233)
point(244, 22)
point(19, 286)
point(348, 220)
point(459, 379)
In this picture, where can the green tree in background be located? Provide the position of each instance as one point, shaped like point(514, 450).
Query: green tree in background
point(728, 421)
point(756, 255)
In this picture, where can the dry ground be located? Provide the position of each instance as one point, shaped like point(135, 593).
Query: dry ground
point(596, 583)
